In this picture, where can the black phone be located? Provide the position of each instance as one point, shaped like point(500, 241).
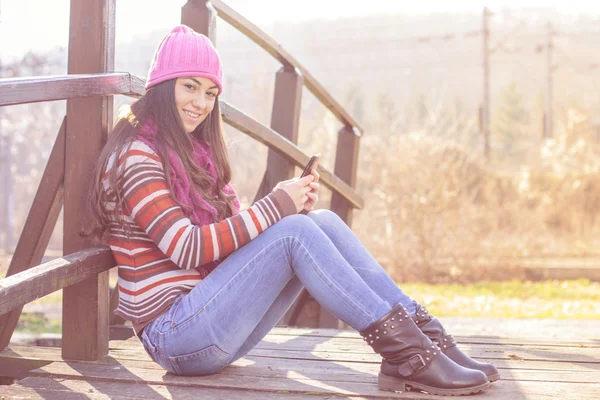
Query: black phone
point(312, 163)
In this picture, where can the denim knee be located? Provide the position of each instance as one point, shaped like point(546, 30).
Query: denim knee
point(325, 217)
point(295, 223)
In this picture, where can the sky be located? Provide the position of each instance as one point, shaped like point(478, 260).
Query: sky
point(40, 25)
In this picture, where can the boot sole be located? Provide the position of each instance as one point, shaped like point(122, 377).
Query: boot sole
point(493, 378)
point(394, 384)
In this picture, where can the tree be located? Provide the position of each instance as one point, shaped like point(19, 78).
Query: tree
point(510, 128)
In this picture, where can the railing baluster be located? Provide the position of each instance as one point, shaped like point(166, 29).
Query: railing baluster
point(91, 50)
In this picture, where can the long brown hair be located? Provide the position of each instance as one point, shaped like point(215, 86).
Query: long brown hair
point(159, 104)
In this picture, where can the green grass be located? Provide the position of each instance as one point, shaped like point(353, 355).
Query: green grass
point(38, 323)
point(575, 299)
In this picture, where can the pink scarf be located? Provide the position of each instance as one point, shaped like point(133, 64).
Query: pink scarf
point(198, 210)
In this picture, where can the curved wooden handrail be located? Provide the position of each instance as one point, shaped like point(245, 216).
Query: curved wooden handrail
point(289, 150)
point(62, 87)
point(259, 37)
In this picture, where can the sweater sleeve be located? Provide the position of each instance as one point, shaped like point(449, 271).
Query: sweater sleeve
point(151, 206)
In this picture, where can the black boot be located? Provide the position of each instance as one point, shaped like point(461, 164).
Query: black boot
point(434, 330)
point(412, 361)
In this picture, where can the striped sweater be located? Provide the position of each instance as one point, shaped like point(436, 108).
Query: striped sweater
point(158, 250)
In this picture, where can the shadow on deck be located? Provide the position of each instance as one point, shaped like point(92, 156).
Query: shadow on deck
point(296, 363)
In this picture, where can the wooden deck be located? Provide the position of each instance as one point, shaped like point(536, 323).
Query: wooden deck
point(294, 363)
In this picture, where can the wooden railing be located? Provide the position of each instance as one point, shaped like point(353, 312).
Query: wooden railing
point(89, 88)
point(48, 88)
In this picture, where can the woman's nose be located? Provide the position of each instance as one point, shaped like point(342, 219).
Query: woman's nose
point(199, 102)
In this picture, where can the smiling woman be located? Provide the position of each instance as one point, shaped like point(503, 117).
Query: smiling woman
point(202, 281)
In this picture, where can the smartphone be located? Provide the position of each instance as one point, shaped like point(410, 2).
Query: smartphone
point(312, 164)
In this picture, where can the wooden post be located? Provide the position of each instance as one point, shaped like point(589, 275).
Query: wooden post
point(91, 50)
point(346, 162)
point(201, 16)
point(285, 119)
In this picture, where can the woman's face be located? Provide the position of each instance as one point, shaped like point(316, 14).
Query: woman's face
point(194, 98)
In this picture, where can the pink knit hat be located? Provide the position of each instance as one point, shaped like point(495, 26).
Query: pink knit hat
point(184, 52)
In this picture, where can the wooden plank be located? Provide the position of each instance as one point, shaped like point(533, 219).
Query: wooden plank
point(294, 383)
point(346, 163)
point(327, 374)
point(287, 149)
point(15, 365)
point(297, 381)
point(201, 16)
point(131, 351)
point(38, 227)
point(59, 388)
point(259, 37)
point(91, 50)
point(62, 87)
point(523, 380)
point(285, 119)
point(252, 366)
point(36, 282)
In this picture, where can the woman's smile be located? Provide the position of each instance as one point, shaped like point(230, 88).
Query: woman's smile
point(193, 116)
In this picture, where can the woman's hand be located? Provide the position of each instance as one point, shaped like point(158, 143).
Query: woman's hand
point(313, 195)
point(298, 190)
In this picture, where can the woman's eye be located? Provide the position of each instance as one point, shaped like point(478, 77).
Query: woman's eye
point(211, 94)
point(187, 85)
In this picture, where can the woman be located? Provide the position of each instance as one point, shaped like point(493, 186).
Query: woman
point(203, 282)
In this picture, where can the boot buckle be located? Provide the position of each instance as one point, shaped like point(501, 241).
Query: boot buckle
point(413, 365)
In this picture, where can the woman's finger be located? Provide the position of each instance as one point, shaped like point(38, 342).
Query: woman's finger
point(316, 175)
point(306, 180)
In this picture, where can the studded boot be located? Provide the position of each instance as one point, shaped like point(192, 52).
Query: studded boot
point(412, 361)
point(434, 330)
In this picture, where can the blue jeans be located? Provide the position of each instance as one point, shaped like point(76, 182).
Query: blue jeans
point(236, 305)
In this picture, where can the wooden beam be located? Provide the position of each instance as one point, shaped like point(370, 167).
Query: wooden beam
point(259, 37)
point(29, 285)
point(285, 119)
point(91, 50)
point(346, 162)
point(62, 87)
point(38, 227)
point(201, 16)
point(287, 149)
